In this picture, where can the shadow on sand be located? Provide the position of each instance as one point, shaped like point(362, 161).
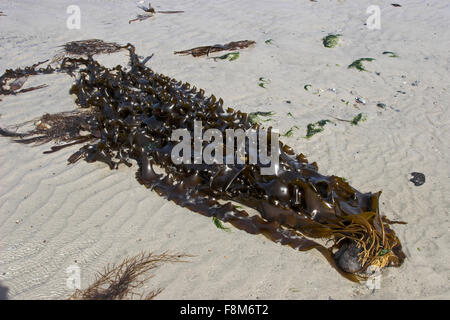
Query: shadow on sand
point(3, 292)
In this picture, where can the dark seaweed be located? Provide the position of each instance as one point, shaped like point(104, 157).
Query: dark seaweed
point(130, 115)
point(206, 50)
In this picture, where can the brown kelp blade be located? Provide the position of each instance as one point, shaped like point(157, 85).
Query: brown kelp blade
point(206, 50)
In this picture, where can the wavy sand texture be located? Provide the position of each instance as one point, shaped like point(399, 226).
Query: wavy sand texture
point(53, 215)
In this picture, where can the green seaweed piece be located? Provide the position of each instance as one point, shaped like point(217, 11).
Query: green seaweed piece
point(231, 56)
point(359, 117)
point(383, 252)
point(307, 86)
point(290, 132)
point(314, 128)
point(357, 64)
point(263, 82)
point(219, 225)
point(268, 41)
point(391, 54)
point(253, 117)
point(291, 115)
point(331, 40)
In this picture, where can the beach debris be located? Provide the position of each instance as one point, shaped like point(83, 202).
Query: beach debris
point(268, 41)
point(358, 64)
point(290, 132)
point(381, 105)
point(122, 281)
point(418, 178)
point(91, 47)
point(262, 82)
point(131, 114)
point(206, 50)
point(314, 128)
point(391, 54)
point(415, 83)
point(254, 117)
point(228, 56)
point(356, 119)
point(290, 115)
point(396, 5)
point(360, 100)
point(331, 40)
point(219, 225)
point(18, 83)
point(12, 81)
point(2, 14)
point(306, 86)
point(359, 117)
point(288, 101)
point(150, 12)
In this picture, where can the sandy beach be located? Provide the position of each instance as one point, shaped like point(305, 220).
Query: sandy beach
point(54, 216)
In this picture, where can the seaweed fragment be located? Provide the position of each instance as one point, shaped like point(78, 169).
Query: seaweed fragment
point(90, 47)
point(150, 12)
point(254, 117)
point(262, 82)
point(268, 41)
point(2, 14)
point(219, 225)
point(314, 128)
point(206, 50)
point(359, 117)
point(307, 86)
point(121, 282)
point(290, 132)
point(131, 114)
point(231, 56)
point(391, 54)
point(358, 64)
point(331, 40)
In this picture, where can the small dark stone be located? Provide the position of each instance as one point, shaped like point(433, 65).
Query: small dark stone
point(418, 178)
point(288, 101)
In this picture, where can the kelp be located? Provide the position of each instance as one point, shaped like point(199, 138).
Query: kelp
point(331, 40)
point(12, 81)
point(358, 64)
point(130, 115)
point(91, 47)
point(120, 282)
point(150, 12)
point(206, 50)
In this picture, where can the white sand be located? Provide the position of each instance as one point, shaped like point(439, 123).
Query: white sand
point(52, 215)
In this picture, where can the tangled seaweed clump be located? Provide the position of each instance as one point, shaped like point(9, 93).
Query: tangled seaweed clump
point(131, 114)
point(122, 281)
